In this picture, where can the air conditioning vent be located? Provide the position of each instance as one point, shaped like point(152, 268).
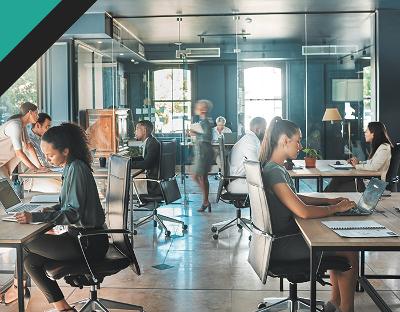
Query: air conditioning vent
point(198, 52)
point(329, 49)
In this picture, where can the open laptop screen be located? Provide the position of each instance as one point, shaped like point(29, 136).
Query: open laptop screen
point(372, 193)
point(7, 195)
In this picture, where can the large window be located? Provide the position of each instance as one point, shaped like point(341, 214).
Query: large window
point(23, 90)
point(367, 118)
point(263, 93)
point(172, 99)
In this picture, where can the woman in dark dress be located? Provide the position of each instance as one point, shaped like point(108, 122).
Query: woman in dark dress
point(203, 151)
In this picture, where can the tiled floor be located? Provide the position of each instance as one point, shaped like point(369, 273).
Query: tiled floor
point(206, 275)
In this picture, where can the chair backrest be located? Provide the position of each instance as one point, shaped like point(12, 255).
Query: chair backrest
point(117, 204)
point(393, 171)
point(261, 241)
point(167, 160)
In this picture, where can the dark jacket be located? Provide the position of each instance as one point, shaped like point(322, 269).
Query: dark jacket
point(150, 162)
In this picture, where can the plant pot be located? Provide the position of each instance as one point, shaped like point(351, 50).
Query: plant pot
point(310, 162)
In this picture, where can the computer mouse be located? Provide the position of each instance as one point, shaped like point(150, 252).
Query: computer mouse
point(337, 162)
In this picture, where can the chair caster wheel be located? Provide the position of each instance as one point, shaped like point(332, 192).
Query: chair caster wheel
point(215, 236)
point(185, 227)
point(155, 223)
point(214, 229)
point(261, 305)
point(168, 233)
point(240, 226)
point(134, 232)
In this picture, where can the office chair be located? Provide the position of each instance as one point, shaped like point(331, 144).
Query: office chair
point(120, 253)
point(392, 176)
point(261, 247)
point(240, 201)
point(169, 190)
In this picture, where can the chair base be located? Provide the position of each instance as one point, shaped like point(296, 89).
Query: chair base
point(292, 302)
point(238, 221)
point(157, 219)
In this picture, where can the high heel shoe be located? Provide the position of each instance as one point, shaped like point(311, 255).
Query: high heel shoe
point(27, 295)
point(204, 207)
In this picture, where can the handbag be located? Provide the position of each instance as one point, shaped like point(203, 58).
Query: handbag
point(170, 191)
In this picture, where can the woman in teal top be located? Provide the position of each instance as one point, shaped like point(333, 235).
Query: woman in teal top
point(79, 207)
point(203, 152)
point(281, 142)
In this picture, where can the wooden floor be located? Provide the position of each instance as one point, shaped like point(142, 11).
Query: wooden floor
point(203, 274)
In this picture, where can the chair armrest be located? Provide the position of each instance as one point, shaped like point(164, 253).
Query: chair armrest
point(274, 237)
point(234, 178)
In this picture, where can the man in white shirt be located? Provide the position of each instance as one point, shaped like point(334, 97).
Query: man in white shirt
point(220, 129)
point(247, 148)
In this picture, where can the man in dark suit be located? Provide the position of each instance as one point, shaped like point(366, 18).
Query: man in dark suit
point(150, 159)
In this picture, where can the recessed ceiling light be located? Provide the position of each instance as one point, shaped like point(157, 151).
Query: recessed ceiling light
point(99, 41)
point(121, 54)
point(132, 60)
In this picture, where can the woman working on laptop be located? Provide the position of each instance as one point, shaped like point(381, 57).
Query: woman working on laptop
point(79, 207)
point(14, 138)
point(281, 142)
point(378, 160)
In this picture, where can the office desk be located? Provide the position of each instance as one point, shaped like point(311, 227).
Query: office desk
point(323, 170)
point(98, 173)
point(15, 235)
point(319, 238)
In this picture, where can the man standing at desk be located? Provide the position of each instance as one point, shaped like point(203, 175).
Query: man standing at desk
point(247, 148)
point(150, 159)
point(35, 132)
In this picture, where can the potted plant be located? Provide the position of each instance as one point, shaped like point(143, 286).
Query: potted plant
point(311, 157)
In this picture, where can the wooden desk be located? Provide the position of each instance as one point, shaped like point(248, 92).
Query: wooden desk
point(15, 235)
point(98, 173)
point(319, 238)
point(323, 170)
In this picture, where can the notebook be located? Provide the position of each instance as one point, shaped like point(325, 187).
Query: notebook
point(343, 166)
point(359, 229)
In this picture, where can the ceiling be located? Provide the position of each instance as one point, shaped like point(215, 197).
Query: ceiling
point(155, 21)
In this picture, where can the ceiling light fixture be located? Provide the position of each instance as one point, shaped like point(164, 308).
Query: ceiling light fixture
point(99, 42)
point(121, 54)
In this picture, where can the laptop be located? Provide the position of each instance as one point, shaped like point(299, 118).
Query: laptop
point(369, 199)
point(11, 202)
point(342, 166)
point(230, 138)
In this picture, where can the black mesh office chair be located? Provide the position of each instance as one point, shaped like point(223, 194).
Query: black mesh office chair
point(392, 176)
point(120, 254)
point(261, 247)
point(240, 201)
point(169, 190)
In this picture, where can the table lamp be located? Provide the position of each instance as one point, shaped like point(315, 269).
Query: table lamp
point(332, 114)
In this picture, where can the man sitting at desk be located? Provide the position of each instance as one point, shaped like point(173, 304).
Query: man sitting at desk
point(35, 132)
point(247, 148)
point(150, 158)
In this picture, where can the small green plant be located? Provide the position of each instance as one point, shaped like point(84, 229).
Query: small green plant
point(310, 152)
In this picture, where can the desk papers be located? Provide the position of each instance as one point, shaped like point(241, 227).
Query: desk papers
point(359, 229)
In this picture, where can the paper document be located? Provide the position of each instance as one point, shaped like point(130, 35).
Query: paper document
point(359, 229)
point(45, 198)
point(341, 166)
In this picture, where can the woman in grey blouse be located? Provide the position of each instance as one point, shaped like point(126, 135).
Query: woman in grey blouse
point(79, 207)
point(281, 142)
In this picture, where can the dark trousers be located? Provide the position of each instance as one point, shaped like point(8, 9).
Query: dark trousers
point(63, 247)
point(345, 184)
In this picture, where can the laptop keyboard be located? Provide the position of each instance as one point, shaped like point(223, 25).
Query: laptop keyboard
point(352, 212)
point(25, 207)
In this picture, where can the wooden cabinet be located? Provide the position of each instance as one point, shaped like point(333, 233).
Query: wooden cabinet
point(107, 130)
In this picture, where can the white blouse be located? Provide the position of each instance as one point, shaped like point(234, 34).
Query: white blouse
point(379, 162)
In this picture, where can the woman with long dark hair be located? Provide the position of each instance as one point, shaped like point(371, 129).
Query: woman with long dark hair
point(378, 159)
point(14, 138)
point(282, 142)
point(79, 208)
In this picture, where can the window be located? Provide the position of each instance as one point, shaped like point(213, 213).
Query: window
point(367, 118)
point(172, 99)
point(23, 90)
point(263, 93)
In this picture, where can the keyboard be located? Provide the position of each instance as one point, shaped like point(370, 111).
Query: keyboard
point(354, 212)
point(25, 207)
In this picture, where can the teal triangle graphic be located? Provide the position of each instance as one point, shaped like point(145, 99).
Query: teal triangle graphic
point(19, 18)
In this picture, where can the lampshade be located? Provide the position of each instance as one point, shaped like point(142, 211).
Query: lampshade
point(331, 114)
